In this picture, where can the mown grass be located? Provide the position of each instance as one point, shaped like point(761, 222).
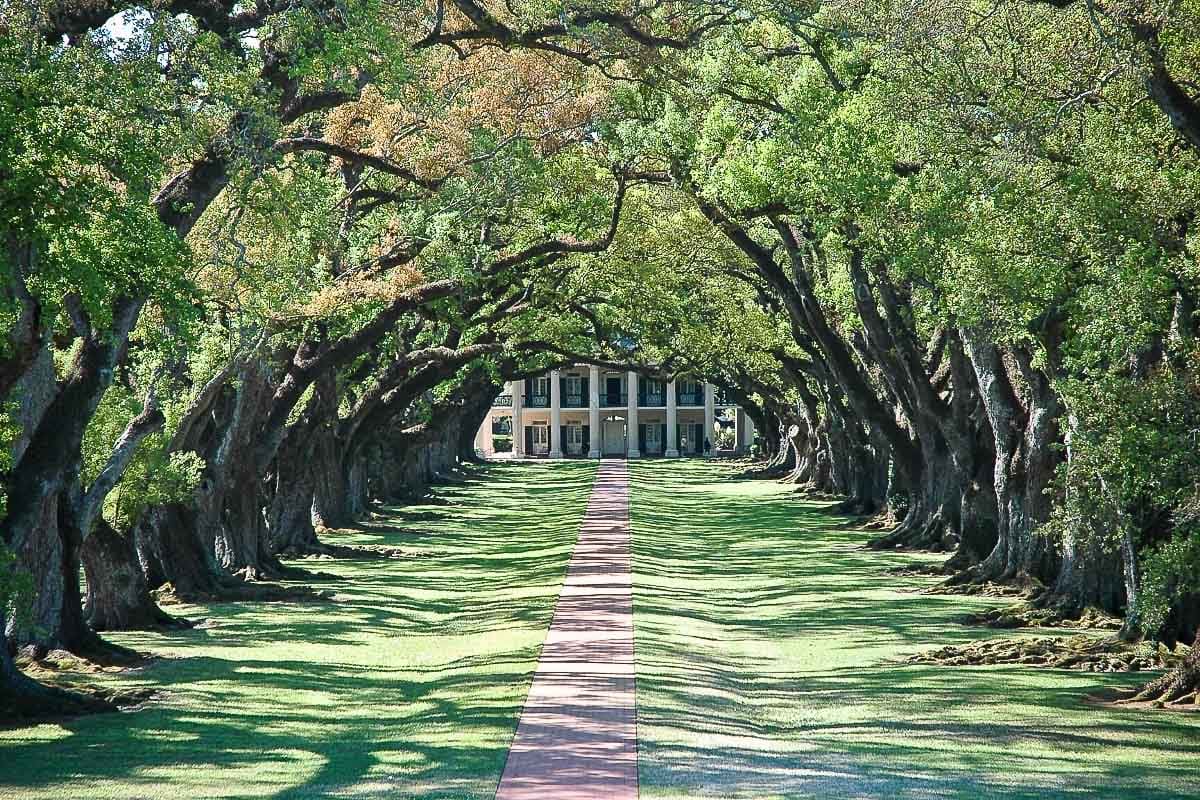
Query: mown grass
point(766, 648)
point(409, 685)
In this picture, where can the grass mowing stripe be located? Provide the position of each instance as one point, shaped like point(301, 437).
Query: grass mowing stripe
point(766, 648)
point(409, 685)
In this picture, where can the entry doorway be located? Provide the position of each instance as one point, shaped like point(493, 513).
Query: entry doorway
point(541, 440)
point(614, 437)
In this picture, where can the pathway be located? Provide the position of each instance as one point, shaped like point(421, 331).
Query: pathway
point(577, 737)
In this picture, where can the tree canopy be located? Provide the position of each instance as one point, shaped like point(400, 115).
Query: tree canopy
point(266, 263)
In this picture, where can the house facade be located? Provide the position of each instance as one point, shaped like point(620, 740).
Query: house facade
point(588, 412)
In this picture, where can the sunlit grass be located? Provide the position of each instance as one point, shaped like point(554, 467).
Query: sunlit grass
point(409, 686)
point(766, 648)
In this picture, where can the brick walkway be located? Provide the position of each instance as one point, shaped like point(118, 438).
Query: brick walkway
point(577, 738)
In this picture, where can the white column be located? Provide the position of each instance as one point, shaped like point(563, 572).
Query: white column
point(518, 426)
point(669, 447)
point(555, 416)
point(631, 424)
point(748, 442)
point(710, 419)
point(594, 413)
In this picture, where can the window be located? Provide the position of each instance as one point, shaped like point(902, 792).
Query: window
point(574, 392)
point(501, 426)
point(690, 393)
point(541, 386)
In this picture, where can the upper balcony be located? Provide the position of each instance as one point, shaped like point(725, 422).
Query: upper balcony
point(614, 399)
point(578, 391)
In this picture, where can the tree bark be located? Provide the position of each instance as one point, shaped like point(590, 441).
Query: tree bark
point(118, 596)
point(1024, 435)
point(170, 550)
point(1180, 685)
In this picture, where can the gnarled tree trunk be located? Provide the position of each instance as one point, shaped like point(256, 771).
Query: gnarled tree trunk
point(118, 596)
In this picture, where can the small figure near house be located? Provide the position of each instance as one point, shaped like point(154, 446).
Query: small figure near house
point(707, 446)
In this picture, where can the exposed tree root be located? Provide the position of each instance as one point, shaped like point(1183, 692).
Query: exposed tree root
point(758, 471)
point(40, 697)
point(155, 620)
point(807, 491)
point(1039, 607)
point(930, 536)
point(854, 507)
point(918, 569)
point(882, 520)
point(238, 591)
point(970, 582)
point(1031, 615)
point(36, 661)
point(1082, 652)
point(1178, 689)
point(341, 551)
point(49, 702)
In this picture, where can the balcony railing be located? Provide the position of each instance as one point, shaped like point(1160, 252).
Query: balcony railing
point(613, 399)
point(722, 399)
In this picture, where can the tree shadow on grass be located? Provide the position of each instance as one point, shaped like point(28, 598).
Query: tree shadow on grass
point(410, 685)
point(767, 643)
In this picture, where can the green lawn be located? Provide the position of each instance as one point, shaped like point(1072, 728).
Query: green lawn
point(764, 641)
point(408, 686)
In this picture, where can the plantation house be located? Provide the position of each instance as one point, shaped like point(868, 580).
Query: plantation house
point(587, 411)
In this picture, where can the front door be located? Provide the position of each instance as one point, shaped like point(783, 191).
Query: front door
point(541, 440)
point(575, 439)
point(653, 444)
point(614, 438)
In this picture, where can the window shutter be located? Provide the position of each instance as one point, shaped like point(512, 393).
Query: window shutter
point(662, 438)
point(528, 389)
point(528, 440)
point(642, 438)
point(587, 438)
point(587, 395)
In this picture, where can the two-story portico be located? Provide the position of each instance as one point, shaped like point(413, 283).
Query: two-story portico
point(588, 411)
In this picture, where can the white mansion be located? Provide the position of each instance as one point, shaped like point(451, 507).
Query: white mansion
point(589, 411)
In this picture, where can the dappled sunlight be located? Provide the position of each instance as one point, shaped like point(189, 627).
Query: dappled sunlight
point(409, 684)
point(768, 643)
